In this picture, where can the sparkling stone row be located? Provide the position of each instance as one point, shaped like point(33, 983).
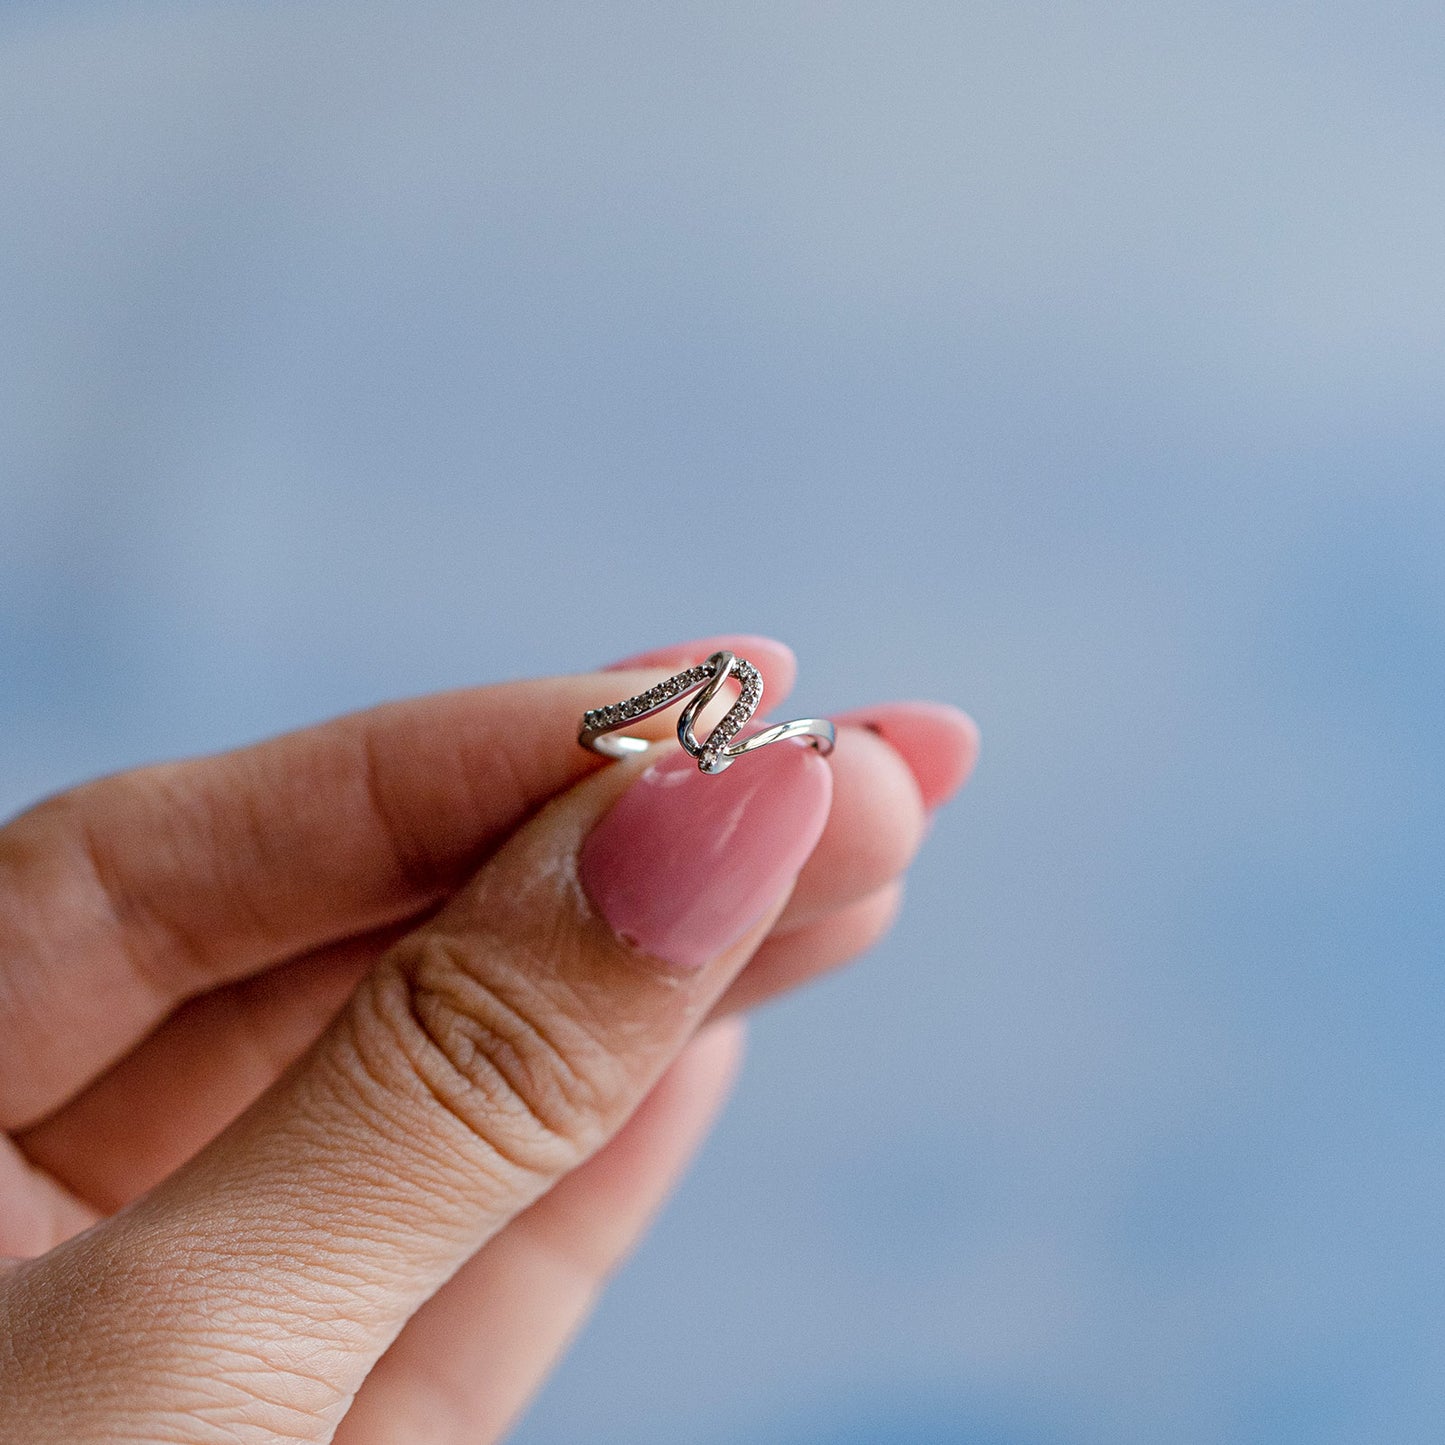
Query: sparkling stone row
point(603, 719)
point(732, 722)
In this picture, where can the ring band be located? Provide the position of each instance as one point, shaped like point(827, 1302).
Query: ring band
point(718, 750)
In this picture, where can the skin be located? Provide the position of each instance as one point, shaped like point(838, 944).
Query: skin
point(244, 1194)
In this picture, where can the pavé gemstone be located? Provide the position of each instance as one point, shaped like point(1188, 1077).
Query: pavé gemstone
point(750, 685)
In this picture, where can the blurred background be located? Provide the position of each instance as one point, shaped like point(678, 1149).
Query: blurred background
point(1077, 363)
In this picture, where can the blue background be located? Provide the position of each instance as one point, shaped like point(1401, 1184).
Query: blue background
point(1081, 364)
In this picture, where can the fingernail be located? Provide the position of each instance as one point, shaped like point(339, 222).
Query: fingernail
point(684, 863)
point(938, 742)
point(774, 659)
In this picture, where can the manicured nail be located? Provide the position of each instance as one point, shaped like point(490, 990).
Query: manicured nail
point(685, 863)
point(774, 659)
point(938, 742)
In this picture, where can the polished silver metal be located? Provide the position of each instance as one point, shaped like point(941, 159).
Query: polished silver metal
point(718, 751)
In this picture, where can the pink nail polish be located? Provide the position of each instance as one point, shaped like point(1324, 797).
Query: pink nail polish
point(938, 742)
point(684, 864)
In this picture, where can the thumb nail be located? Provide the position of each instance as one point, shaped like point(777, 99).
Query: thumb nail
point(684, 863)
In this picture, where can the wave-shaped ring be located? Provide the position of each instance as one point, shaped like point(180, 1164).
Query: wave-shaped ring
point(718, 750)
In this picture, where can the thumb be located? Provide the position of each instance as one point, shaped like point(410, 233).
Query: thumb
point(488, 1054)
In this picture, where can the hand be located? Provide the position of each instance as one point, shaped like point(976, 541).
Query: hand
point(338, 1072)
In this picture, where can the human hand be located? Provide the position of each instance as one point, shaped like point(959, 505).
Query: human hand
point(339, 1071)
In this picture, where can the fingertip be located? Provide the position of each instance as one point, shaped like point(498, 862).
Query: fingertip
point(774, 659)
point(793, 957)
point(939, 742)
point(876, 822)
point(888, 904)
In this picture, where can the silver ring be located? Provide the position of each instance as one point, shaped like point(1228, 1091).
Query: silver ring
point(717, 751)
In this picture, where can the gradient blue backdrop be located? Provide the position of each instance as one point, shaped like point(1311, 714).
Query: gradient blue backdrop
point(1079, 363)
